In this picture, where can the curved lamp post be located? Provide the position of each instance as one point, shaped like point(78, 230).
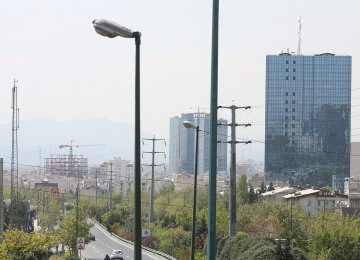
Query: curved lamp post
point(188, 124)
point(111, 29)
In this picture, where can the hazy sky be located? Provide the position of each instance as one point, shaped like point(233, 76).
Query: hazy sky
point(67, 71)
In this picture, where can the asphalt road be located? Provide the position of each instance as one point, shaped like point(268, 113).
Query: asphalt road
point(104, 244)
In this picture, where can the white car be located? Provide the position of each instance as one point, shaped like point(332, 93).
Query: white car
point(116, 254)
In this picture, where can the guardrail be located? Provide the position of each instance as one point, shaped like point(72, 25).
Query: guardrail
point(132, 243)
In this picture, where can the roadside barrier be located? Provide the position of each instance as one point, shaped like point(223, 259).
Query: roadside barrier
point(132, 243)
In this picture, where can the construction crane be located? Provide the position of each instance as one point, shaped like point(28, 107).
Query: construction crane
point(71, 155)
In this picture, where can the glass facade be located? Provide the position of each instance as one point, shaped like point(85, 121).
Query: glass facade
point(182, 144)
point(308, 112)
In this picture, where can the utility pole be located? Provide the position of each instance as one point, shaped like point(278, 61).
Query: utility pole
point(1, 200)
point(110, 186)
point(233, 142)
point(77, 217)
point(40, 161)
point(96, 186)
point(151, 211)
point(14, 154)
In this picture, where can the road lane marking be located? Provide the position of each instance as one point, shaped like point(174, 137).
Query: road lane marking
point(117, 240)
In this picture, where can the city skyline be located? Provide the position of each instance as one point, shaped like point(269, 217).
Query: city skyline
point(67, 72)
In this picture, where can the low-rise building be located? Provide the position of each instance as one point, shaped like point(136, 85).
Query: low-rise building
point(278, 193)
point(314, 200)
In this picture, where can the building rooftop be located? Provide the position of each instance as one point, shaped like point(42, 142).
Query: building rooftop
point(278, 191)
point(301, 193)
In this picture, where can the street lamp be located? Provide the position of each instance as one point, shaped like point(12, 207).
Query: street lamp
point(211, 247)
point(188, 124)
point(111, 30)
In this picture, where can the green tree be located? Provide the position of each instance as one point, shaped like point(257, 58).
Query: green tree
point(244, 248)
point(271, 187)
point(335, 237)
point(3, 252)
point(242, 190)
point(67, 230)
point(173, 239)
point(262, 188)
point(20, 245)
point(50, 215)
point(19, 218)
point(274, 219)
point(252, 196)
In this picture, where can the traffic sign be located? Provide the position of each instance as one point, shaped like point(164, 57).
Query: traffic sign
point(80, 243)
point(146, 232)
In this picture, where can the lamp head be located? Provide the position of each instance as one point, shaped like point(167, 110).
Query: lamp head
point(188, 124)
point(111, 29)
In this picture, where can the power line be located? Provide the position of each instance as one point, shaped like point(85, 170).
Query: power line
point(233, 142)
point(153, 140)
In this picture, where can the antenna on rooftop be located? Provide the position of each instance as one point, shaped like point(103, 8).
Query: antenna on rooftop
point(299, 39)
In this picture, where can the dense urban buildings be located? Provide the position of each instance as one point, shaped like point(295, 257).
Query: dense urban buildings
point(182, 144)
point(308, 112)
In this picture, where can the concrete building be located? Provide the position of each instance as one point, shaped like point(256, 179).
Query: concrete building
point(48, 186)
point(117, 172)
point(352, 185)
point(279, 193)
point(182, 144)
point(307, 128)
point(312, 201)
point(355, 160)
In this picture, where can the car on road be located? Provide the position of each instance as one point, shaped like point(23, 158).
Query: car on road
point(91, 237)
point(116, 255)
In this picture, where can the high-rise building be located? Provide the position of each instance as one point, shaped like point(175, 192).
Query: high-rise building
point(308, 112)
point(182, 144)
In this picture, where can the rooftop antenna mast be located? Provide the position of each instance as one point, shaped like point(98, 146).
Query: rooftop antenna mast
point(299, 39)
point(14, 154)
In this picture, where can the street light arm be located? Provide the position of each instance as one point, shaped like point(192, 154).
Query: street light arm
point(236, 107)
point(111, 29)
point(188, 124)
point(246, 125)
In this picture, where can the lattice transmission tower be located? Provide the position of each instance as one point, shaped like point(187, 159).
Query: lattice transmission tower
point(14, 153)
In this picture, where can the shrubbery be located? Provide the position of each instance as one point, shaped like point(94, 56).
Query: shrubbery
point(246, 248)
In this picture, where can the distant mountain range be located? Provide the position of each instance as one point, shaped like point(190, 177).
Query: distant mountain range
point(46, 135)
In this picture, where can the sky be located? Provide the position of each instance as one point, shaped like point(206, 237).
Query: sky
point(66, 71)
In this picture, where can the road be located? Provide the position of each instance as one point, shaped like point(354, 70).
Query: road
point(104, 244)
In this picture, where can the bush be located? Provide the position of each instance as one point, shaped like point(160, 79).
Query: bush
point(151, 242)
point(246, 248)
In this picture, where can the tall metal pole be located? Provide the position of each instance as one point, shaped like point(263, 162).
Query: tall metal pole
point(110, 187)
point(96, 187)
point(233, 142)
point(137, 182)
point(194, 198)
point(14, 154)
point(152, 191)
point(151, 216)
point(291, 216)
point(77, 218)
point(211, 247)
point(232, 202)
point(1, 200)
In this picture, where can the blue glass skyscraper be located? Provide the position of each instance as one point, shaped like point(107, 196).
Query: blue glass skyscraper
point(308, 112)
